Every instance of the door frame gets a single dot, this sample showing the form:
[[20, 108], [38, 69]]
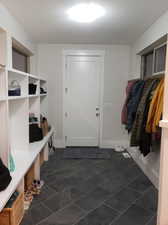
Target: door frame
[[94, 53]]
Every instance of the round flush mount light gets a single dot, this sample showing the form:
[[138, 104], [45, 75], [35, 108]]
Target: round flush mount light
[[86, 12]]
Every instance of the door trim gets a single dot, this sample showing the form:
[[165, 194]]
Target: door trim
[[94, 53]]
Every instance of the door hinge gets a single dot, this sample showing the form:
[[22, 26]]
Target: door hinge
[[66, 90], [66, 114], [66, 65], [66, 139]]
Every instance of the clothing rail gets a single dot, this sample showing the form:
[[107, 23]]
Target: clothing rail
[[137, 79], [159, 76]]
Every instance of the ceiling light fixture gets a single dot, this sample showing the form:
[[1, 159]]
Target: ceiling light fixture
[[86, 12]]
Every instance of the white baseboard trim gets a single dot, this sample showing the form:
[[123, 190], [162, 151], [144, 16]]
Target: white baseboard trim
[[59, 143], [150, 172], [114, 143]]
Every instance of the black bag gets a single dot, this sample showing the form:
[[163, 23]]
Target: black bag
[[5, 177], [32, 89], [35, 133]]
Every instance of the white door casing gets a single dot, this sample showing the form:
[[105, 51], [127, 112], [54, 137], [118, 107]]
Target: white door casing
[[83, 96]]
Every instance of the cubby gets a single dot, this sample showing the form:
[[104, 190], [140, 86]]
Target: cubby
[[18, 124], [35, 81], [22, 80], [34, 106]]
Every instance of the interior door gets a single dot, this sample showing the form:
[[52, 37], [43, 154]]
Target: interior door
[[82, 101]]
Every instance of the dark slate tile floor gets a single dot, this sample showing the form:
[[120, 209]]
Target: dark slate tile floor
[[93, 192]]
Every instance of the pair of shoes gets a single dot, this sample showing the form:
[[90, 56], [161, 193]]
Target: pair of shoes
[[38, 184]]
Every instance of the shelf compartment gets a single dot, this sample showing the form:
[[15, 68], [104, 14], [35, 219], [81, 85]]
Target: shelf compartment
[[18, 124], [34, 107], [36, 82], [3, 84], [22, 81], [44, 106]]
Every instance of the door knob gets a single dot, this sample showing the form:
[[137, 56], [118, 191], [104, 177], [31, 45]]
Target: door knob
[[97, 109], [97, 114]]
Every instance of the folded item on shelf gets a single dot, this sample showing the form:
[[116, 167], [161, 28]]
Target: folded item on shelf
[[5, 177], [42, 91], [14, 88]]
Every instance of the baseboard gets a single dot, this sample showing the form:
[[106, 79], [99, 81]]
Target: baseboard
[[150, 172], [59, 143], [114, 143]]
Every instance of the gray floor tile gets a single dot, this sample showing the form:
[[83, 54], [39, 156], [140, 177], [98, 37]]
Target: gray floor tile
[[62, 199], [141, 184], [149, 200], [134, 216], [123, 200], [153, 221], [92, 200], [67, 216], [100, 216], [115, 184], [36, 214], [46, 192]]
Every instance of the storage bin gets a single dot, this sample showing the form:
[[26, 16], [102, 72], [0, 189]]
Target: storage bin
[[14, 215]]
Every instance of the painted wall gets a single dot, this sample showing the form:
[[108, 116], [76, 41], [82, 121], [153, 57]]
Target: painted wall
[[155, 32], [16, 30], [117, 65], [150, 164]]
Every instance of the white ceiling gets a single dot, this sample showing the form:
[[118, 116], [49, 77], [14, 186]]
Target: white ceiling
[[46, 20]]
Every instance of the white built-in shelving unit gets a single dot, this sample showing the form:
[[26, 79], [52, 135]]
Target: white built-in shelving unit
[[14, 117]]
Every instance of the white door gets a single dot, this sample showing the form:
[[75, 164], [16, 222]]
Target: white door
[[82, 105]]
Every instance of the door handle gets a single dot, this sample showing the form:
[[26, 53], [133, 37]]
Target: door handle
[[97, 108], [97, 114]]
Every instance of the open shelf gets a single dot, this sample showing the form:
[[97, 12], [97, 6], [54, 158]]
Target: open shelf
[[21, 81], [18, 124], [34, 107], [44, 105], [3, 84]]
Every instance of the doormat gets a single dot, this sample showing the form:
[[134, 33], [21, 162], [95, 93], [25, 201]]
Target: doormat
[[87, 153]]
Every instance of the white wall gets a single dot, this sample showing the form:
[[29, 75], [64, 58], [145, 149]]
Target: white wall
[[16, 30], [117, 65], [155, 32], [150, 164]]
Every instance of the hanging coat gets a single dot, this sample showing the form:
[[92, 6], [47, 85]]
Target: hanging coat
[[138, 123], [133, 103], [124, 113], [156, 109]]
